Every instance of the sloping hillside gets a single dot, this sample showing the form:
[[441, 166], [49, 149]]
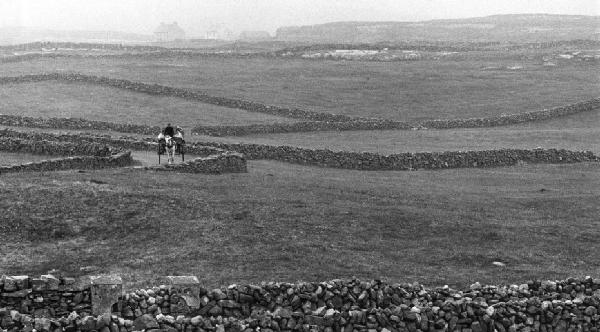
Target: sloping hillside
[[21, 35], [518, 28]]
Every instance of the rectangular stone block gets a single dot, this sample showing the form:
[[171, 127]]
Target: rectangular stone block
[[38, 285], [105, 292], [52, 282], [19, 293], [13, 283], [75, 284], [185, 294]]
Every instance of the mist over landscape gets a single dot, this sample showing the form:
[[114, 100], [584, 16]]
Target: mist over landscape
[[298, 20]]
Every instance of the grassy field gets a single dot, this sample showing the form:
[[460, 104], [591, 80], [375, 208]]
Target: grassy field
[[91, 102], [14, 158], [406, 91], [287, 222], [576, 132]]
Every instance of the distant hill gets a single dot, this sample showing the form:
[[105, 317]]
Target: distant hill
[[515, 28], [22, 35]]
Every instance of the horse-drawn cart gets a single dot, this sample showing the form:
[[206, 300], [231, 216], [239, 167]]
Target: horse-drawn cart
[[171, 146]]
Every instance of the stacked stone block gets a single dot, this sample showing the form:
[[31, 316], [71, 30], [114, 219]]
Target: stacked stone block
[[46, 296], [218, 160], [79, 162], [85, 139], [337, 305], [405, 161], [55, 148]]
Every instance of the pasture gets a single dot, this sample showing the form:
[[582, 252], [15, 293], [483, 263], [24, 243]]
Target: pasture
[[288, 222], [407, 91], [577, 132], [92, 102]]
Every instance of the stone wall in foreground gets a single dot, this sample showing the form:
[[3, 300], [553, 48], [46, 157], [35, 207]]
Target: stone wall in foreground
[[44, 296], [331, 306]]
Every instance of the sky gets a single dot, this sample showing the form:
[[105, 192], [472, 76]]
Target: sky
[[198, 16]]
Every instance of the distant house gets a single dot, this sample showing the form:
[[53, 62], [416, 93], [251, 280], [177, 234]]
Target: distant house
[[212, 34], [169, 32]]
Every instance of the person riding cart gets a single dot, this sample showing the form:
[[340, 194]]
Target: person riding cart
[[169, 131], [170, 142]]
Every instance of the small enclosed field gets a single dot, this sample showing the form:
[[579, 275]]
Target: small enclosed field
[[576, 132], [288, 222], [407, 91], [17, 158], [92, 102]]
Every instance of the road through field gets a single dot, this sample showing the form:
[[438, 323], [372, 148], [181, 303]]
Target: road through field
[[150, 158]]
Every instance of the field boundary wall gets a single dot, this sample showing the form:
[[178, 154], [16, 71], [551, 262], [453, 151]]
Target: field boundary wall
[[54, 148], [122, 142], [121, 159], [93, 152], [161, 90], [98, 303], [345, 159], [406, 161]]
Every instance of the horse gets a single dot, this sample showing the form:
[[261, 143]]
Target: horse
[[170, 146]]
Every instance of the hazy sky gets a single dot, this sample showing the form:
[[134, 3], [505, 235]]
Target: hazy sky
[[196, 16]]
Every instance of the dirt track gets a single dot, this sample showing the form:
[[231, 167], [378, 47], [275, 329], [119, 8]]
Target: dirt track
[[148, 158]]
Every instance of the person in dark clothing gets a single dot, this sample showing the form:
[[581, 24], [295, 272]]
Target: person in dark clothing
[[169, 131]]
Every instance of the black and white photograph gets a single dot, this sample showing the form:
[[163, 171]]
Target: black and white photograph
[[300, 165]]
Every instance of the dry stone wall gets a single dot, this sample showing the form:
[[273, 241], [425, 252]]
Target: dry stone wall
[[84, 154], [337, 305], [406, 161], [54, 148], [161, 90], [304, 126], [37, 46], [76, 124], [78, 162], [329, 158], [123, 142], [214, 160], [504, 120], [46, 296]]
